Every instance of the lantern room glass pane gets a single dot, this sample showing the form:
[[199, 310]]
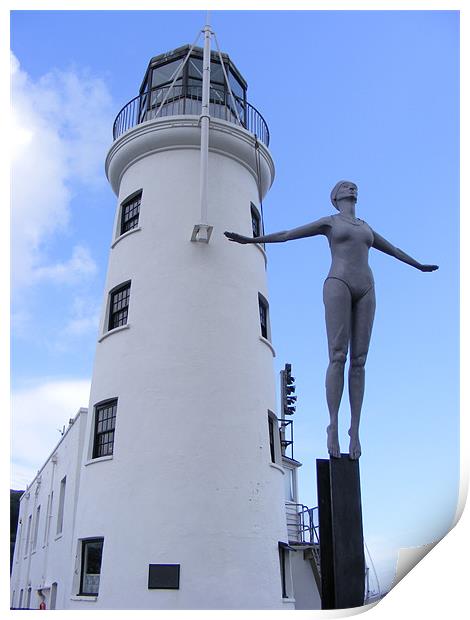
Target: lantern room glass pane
[[166, 73], [195, 68], [217, 74], [236, 87]]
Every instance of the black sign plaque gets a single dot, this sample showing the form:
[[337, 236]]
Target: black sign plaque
[[164, 576]]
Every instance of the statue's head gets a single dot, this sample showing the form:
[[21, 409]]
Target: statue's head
[[343, 189]]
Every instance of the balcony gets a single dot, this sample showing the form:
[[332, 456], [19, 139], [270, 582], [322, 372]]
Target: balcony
[[186, 100]]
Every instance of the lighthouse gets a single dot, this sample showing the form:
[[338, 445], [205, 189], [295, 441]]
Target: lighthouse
[[181, 502], [177, 487]]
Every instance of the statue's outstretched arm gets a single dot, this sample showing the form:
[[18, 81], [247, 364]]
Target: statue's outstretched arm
[[319, 227], [387, 248]]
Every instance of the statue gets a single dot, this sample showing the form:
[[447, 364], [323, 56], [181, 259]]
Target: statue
[[349, 299]]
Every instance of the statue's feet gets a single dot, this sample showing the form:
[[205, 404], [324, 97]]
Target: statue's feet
[[354, 446], [333, 443]]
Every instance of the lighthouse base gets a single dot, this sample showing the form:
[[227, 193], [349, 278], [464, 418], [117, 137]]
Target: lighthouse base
[[341, 536]]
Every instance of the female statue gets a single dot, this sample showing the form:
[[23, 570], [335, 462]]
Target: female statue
[[349, 299]]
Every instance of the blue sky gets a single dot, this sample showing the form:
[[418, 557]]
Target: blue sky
[[368, 96]]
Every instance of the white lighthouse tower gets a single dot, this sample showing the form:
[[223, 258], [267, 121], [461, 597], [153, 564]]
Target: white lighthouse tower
[[181, 502]]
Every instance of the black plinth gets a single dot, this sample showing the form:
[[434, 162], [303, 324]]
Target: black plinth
[[341, 538]]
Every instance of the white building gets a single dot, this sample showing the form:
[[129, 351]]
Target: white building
[[171, 493], [44, 539]]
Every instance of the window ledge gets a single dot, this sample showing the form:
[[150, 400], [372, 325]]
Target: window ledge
[[83, 598], [99, 459], [113, 331], [278, 467], [59, 536], [126, 234], [268, 344], [288, 600]]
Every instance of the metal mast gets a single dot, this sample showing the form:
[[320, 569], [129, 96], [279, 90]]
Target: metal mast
[[202, 231]]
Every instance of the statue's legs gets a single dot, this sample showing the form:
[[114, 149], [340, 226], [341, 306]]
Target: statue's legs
[[337, 300], [361, 328]]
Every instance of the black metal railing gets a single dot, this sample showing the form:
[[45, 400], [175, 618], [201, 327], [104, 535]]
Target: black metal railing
[[302, 524], [308, 524], [182, 100]]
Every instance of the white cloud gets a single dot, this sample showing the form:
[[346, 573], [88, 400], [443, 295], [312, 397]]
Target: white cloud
[[38, 413], [84, 320], [59, 135], [77, 326], [79, 265]]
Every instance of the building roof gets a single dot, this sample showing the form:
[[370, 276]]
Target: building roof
[[71, 423]]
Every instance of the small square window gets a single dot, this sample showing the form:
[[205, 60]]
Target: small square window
[[119, 305], [105, 422], [130, 210], [92, 551]]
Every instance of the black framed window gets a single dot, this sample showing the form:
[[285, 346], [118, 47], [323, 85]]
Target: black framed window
[[255, 221], [92, 551], [105, 423], [271, 438], [130, 210], [285, 566], [283, 562], [119, 305], [263, 316]]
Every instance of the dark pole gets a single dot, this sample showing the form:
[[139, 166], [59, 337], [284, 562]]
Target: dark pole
[[341, 536]]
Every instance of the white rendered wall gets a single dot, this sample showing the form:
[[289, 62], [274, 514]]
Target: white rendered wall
[[49, 562], [306, 591], [190, 481]]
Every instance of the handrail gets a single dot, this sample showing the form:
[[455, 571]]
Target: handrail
[[183, 100], [308, 529]]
